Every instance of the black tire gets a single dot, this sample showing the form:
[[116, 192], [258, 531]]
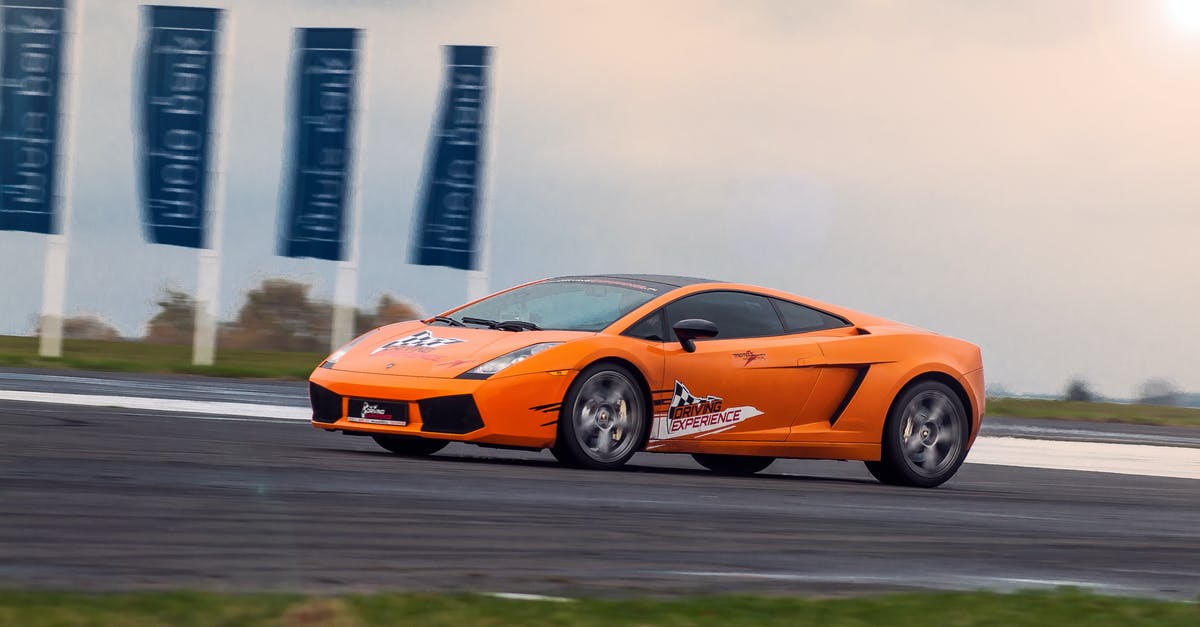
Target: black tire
[[924, 437], [733, 464], [409, 446], [563, 456], [604, 419]]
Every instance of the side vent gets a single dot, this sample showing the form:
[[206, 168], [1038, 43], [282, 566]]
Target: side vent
[[858, 379]]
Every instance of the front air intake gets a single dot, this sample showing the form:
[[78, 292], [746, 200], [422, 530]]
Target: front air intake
[[450, 414], [326, 406]]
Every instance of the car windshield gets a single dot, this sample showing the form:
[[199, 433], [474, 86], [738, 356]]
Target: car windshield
[[589, 304]]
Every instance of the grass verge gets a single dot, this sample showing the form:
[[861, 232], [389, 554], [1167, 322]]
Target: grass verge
[[1060, 608], [1094, 412], [158, 358]]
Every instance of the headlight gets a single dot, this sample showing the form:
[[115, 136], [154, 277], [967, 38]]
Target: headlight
[[500, 363], [341, 352]]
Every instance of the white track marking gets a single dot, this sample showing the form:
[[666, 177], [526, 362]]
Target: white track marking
[[951, 581], [522, 596], [250, 410], [1126, 459]]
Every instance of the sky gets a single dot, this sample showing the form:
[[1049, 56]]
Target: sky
[[1017, 173]]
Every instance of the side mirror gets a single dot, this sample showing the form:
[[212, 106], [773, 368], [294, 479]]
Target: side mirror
[[687, 331]]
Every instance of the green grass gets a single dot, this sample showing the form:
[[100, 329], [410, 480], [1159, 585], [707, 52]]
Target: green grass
[[142, 357], [1059, 608], [1094, 412]]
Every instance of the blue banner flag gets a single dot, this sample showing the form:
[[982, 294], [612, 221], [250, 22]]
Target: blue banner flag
[[326, 61], [447, 227], [29, 88], [179, 68]]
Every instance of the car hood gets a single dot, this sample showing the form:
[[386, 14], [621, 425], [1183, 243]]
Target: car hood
[[417, 349]]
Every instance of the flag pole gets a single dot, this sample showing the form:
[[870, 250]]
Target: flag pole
[[345, 292], [208, 274], [54, 277], [477, 280]]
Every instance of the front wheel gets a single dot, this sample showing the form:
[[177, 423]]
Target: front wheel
[[409, 446], [604, 419], [733, 464], [924, 438]]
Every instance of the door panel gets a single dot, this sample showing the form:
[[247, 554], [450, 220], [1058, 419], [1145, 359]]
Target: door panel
[[749, 389]]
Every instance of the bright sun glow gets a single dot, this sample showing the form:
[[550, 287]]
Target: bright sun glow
[[1185, 14]]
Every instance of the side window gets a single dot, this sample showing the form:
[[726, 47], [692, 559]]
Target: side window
[[648, 328], [736, 314], [801, 319]]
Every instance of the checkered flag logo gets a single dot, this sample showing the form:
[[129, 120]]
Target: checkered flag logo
[[683, 396], [420, 339]]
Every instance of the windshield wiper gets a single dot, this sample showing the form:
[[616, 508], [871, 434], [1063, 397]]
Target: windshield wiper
[[448, 320], [503, 325]]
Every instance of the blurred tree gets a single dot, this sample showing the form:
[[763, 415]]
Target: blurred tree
[[279, 315], [86, 327], [388, 310], [1079, 390], [175, 320], [1158, 391]]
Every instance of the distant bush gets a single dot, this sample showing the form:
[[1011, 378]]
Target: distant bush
[[175, 320], [85, 327], [1079, 390], [387, 311], [277, 315], [1158, 391]]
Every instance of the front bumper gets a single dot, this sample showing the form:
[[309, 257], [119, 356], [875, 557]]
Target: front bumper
[[519, 410]]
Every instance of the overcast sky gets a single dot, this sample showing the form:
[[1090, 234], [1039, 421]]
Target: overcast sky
[[1022, 174]]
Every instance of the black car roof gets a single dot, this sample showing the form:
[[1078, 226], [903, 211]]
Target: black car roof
[[650, 280]]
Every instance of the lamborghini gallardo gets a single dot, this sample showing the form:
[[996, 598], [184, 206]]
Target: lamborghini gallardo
[[599, 368]]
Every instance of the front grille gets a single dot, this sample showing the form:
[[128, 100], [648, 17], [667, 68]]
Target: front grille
[[326, 406], [450, 414]]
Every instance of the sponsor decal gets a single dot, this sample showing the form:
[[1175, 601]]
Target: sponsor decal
[[377, 412], [693, 415], [374, 411], [749, 357], [419, 342]]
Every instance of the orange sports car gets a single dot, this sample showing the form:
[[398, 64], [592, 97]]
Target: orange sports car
[[597, 368]]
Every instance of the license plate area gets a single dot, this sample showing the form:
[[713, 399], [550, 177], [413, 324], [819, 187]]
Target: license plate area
[[377, 412]]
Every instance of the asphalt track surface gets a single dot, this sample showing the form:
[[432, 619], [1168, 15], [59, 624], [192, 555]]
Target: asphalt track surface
[[114, 499]]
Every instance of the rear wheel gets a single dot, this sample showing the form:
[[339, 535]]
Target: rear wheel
[[733, 464], [603, 420], [924, 438], [409, 446]]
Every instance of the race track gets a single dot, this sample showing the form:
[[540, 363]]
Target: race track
[[104, 498]]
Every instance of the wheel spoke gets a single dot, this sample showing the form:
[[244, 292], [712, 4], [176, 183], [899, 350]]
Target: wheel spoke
[[604, 442], [614, 396], [587, 422], [938, 411]]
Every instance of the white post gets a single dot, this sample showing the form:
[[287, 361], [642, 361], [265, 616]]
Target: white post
[[208, 275], [345, 292], [477, 280], [54, 277]]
